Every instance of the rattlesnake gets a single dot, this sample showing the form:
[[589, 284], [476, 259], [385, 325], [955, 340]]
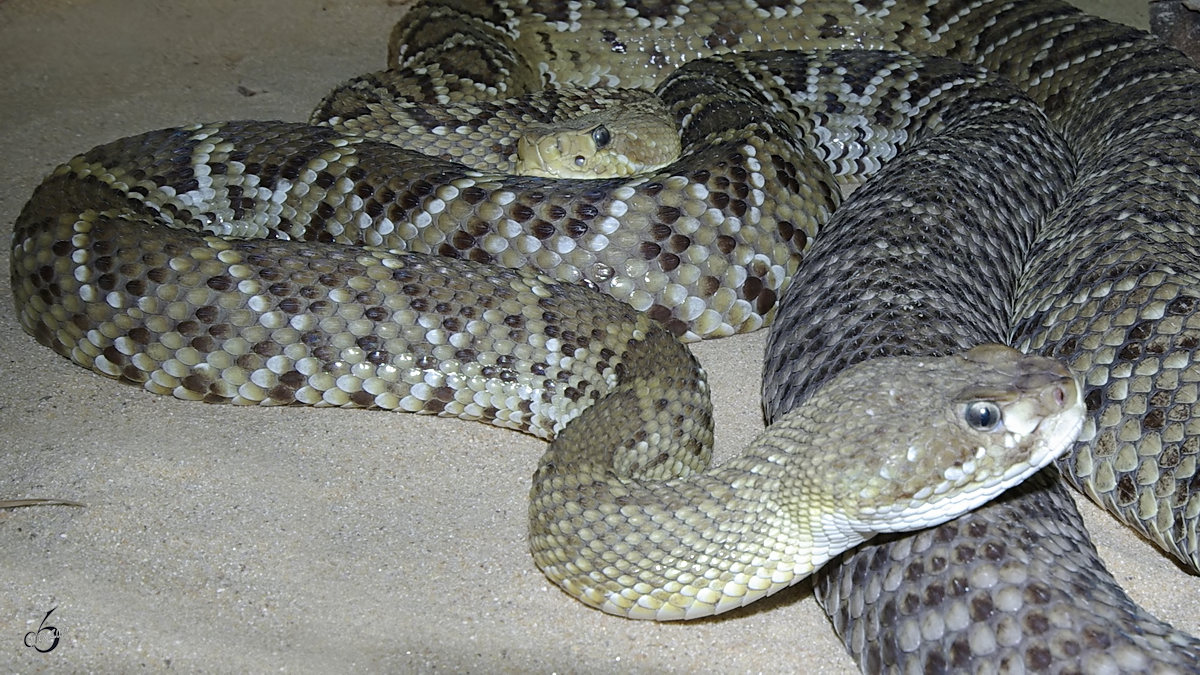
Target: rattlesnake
[[860, 638]]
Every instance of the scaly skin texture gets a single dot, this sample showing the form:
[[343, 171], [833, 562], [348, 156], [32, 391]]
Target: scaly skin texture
[[806, 489], [112, 286], [1111, 287]]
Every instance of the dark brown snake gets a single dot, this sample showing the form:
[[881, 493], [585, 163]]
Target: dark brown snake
[[924, 268]]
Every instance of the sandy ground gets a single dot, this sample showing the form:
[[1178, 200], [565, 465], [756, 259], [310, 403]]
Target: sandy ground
[[245, 540]]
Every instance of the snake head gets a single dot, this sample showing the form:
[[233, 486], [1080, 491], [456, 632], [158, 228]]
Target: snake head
[[628, 138], [941, 436]]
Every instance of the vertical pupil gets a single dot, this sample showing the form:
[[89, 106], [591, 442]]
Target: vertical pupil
[[982, 415]]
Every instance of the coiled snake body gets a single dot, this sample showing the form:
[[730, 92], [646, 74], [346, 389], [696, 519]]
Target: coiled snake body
[[1111, 287]]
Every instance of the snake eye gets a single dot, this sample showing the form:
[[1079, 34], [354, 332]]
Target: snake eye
[[983, 416], [601, 137]]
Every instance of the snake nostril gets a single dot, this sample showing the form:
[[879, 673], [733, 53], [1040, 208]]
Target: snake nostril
[[1060, 396]]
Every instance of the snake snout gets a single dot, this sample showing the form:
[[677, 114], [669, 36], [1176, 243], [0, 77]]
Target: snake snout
[[529, 158], [1050, 406], [1040, 399], [1051, 381]]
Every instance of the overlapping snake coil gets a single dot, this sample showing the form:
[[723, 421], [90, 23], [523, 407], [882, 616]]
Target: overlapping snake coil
[[1078, 243]]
